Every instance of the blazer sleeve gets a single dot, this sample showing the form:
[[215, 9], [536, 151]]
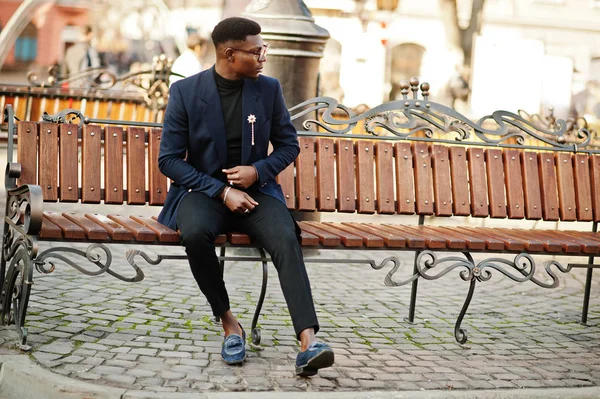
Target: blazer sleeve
[[284, 139], [174, 146]]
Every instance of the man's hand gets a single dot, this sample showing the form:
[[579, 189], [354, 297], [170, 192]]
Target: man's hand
[[241, 176], [239, 202]]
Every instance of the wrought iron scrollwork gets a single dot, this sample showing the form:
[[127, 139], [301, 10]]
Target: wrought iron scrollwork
[[98, 254], [416, 117]]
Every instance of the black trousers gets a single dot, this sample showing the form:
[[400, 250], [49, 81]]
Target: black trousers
[[201, 218]]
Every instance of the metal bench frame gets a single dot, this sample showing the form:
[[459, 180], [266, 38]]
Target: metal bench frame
[[414, 120]]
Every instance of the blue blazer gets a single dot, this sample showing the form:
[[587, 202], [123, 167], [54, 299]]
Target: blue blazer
[[193, 146]]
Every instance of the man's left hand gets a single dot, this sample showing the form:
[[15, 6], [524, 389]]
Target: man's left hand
[[241, 176]]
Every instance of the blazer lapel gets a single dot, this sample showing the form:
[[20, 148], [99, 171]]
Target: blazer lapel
[[250, 107], [214, 115]]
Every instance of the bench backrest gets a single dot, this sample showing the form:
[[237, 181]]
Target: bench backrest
[[116, 165]]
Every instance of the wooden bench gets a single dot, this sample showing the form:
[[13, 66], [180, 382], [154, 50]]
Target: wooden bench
[[426, 160]]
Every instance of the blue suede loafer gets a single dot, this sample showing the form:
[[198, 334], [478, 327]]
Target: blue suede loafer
[[234, 348], [318, 356]]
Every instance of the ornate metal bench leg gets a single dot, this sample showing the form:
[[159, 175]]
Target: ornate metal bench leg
[[586, 294], [222, 265], [261, 299], [413, 292]]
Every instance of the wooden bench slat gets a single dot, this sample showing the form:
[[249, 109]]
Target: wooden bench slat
[[308, 240], [369, 240], [163, 233], [305, 174], [239, 238], [563, 243], [326, 238], [595, 181], [384, 174], [532, 242], [585, 238], [348, 239], [510, 244], [136, 166], [583, 191], [68, 163], [495, 182], [69, 229], [423, 179], [514, 183], [286, 180], [405, 187], [532, 185], [442, 190], [92, 230], [90, 160], [27, 152], [566, 187], [477, 183], [139, 231], [49, 230], [432, 238], [392, 240], [158, 181], [583, 244], [365, 177], [114, 229], [413, 240], [113, 161], [345, 176], [460, 181], [220, 239], [548, 185], [325, 174], [472, 242], [48, 161]]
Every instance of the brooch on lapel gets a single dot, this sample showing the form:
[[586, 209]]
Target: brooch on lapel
[[251, 120]]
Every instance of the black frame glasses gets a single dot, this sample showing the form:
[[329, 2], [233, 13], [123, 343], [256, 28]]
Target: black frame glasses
[[260, 55]]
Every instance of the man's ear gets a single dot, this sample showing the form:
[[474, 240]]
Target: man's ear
[[229, 54]]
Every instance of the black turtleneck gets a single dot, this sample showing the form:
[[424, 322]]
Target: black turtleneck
[[230, 92]]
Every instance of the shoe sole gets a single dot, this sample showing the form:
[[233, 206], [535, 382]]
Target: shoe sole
[[235, 361], [322, 360]]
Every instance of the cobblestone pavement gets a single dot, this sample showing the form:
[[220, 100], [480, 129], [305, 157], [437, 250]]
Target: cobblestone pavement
[[158, 334]]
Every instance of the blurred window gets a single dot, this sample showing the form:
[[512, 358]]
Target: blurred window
[[26, 45]]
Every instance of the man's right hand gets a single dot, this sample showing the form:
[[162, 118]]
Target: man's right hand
[[239, 202]]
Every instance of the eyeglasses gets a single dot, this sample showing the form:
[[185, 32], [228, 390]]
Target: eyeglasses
[[261, 55]]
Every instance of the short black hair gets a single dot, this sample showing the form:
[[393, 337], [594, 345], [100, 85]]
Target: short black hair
[[234, 29]]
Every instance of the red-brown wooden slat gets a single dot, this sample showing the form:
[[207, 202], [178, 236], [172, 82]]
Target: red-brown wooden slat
[[405, 186], [514, 183], [460, 181], [27, 149], [136, 166], [588, 240], [583, 188], [348, 239], [69, 229], [384, 175], [325, 238], [477, 183], [532, 242], [239, 238], [92, 230], [163, 233], [220, 239], [391, 240], [49, 230], [114, 229], [510, 243], [69, 168], [308, 240], [564, 243], [442, 190], [595, 176], [365, 181], [305, 174], [325, 174], [572, 244], [286, 180], [412, 240], [432, 238], [495, 182], [369, 240], [113, 169], [566, 186], [139, 231], [345, 176], [548, 185], [48, 161], [531, 181], [90, 160], [423, 179], [472, 242], [157, 181]]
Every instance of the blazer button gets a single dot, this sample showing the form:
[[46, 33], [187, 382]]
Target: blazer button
[[264, 184], [189, 190]]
